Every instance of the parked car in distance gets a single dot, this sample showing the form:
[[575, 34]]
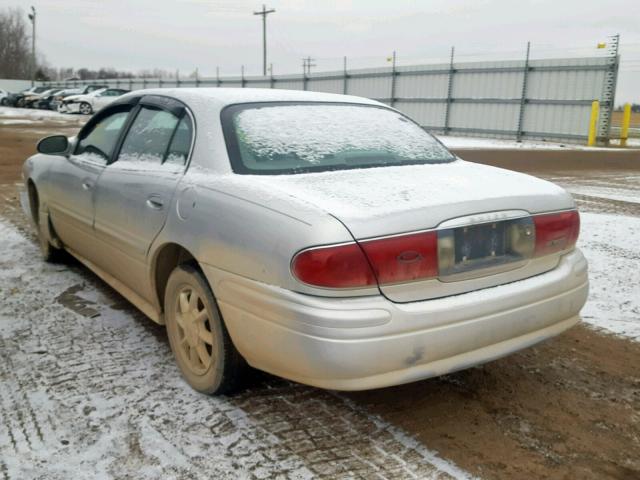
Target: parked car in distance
[[57, 101], [327, 239], [90, 102], [61, 95], [18, 99], [32, 101], [46, 100], [4, 97]]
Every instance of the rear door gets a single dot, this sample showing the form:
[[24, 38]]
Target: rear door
[[134, 192]]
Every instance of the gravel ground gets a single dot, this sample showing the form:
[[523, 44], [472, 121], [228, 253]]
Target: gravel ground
[[89, 389]]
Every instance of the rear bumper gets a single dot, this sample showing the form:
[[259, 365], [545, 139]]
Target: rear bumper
[[370, 342]]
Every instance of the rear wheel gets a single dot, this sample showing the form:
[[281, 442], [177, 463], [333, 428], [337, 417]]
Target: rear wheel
[[85, 108], [3, 102], [199, 339]]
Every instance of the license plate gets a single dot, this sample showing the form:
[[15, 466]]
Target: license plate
[[474, 248]]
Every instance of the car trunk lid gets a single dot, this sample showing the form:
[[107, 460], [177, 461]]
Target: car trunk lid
[[475, 209]]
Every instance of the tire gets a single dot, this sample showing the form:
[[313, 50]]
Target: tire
[[3, 102], [49, 253], [85, 108], [203, 349], [20, 103]]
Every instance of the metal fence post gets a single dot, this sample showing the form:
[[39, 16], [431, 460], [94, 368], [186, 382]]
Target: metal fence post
[[447, 112], [624, 127], [523, 97], [393, 80], [218, 83], [242, 76], [304, 74], [345, 80], [130, 83], [609, 90], [593, 123], [272, 80]]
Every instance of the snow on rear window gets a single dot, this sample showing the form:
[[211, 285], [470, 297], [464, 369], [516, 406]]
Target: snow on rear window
[[301, 137]]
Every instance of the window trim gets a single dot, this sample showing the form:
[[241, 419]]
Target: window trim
[[238, 166], [91, 124], [168, 104]]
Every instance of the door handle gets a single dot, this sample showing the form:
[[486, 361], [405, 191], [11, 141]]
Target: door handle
[[155, 202], [87, 185]]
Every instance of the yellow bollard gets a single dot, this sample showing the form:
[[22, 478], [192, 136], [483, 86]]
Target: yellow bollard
[[593, 123], [624, 128]]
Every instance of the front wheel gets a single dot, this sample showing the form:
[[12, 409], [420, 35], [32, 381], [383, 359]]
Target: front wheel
[[199, 339], [3, 102], [85, 108], [49, 252]]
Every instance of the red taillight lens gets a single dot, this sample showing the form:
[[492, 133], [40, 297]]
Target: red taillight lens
[[403, 258], [556, 232], [340, 266]]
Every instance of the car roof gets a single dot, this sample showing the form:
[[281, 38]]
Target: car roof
[[221, 97]]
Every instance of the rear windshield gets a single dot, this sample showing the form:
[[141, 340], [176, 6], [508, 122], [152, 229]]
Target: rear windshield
[[282, 138]]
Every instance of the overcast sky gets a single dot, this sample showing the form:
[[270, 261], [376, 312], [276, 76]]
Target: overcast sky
[[185, 34]]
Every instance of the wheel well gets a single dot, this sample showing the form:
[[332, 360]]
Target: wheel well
[[34, 203], [168, 258]]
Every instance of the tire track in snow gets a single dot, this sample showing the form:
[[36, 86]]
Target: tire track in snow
[[117, 406]]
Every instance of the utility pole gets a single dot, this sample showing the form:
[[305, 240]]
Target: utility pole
[[306, 65], [264, 12], [32, 17]]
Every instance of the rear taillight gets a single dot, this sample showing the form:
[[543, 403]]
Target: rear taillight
[[339, 266], [424, 255], [403, 258], [556, 232]]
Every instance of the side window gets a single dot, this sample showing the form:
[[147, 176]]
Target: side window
[[149, 136], [101, 140], [181, 143]]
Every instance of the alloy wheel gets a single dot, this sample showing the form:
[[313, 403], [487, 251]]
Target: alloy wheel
[[196, 339]]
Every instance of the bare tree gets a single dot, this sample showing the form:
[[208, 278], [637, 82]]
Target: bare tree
[[15, 55]]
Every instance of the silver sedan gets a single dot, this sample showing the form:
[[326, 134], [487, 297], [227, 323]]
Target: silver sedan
[[323, 238]]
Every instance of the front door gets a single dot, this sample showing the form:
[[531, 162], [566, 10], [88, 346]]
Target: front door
[[134, 193], [73, 180]]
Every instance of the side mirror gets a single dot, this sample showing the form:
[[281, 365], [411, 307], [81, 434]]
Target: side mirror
[[54, 145]]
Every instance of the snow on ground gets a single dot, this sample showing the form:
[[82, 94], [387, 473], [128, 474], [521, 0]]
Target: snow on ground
[[33, 114], [630, 194], [89, 389], [496, 143], [611, 244]]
